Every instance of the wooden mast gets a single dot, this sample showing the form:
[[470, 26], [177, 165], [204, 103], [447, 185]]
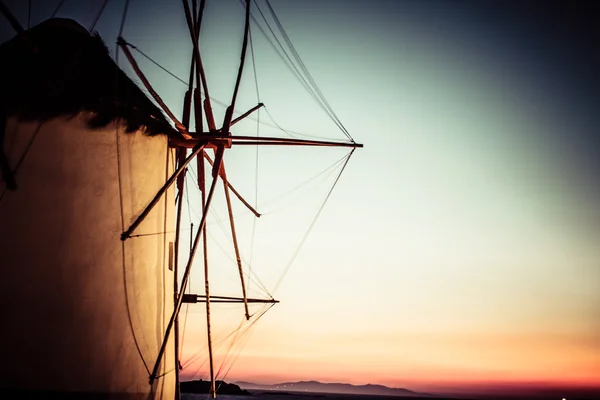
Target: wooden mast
[[180, 185]]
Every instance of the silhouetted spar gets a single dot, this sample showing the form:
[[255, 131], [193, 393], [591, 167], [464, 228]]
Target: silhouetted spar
[[199, 298]]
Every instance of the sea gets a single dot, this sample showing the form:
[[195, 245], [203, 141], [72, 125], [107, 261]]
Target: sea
[[280, 395]]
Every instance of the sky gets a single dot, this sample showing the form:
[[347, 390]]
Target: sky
[[459, 249]]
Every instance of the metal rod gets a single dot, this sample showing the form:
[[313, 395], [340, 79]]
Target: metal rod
[[127, 234], [236, 248], [240, 300], [229, 111], [209, 138], [244, 115], [11, 18], [214, 299], [186, 276], [291, 143]]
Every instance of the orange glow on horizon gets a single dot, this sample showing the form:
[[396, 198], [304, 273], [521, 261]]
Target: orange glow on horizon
[[269, 370], [424, 362]]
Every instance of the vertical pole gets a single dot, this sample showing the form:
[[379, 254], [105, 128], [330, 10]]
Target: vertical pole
[[181, 154], [202, 185]]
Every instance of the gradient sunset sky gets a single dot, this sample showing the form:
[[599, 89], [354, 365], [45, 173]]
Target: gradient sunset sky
[[461, 246]]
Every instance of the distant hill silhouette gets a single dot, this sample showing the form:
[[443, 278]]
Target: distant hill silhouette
[[320, 387], [203, 387]]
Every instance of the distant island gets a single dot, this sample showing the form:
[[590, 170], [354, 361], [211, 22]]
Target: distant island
[[341, 388], [203, 387]]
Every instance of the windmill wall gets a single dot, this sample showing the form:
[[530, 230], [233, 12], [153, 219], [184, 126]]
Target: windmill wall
[[82, 311]]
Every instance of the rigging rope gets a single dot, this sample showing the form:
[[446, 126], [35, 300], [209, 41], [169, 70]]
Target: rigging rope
[[122, 208], [21, 159], [302, 184], [290, 133], [275, 124], [243, 339], [253, 278], [303, 75], [233, 341], [155, 63], [312, 224], [224, 230], [156, 233], [123, 18], [60, 4], [29, 144], [250, 275], [314, 85], [217, 345], [244, 327], [287, 60], [98, 16]]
